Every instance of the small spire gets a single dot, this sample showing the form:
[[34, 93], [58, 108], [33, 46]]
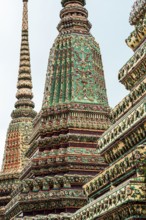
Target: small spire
[[24, 104]]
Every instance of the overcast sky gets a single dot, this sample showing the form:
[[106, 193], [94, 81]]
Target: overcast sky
[[110, 28]]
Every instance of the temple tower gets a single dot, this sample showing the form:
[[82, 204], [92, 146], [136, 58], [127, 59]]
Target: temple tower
[[119, 192], [74, 114], [20, 127]]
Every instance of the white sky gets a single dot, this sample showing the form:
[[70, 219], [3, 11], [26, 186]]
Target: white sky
[[110, 28]]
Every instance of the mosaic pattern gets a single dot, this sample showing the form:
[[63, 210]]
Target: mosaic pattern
[[134, 68], [138, 19], [74, 77], [138, 11]]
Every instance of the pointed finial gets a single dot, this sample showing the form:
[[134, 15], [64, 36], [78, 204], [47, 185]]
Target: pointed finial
[[25, 16]]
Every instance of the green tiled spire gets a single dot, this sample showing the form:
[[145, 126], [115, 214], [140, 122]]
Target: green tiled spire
[[75, 70]]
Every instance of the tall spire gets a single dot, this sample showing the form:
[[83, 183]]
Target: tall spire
[[20, 127], [21, 124], [24, 104]]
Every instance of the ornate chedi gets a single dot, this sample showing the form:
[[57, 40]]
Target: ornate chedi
[[74, 114], [20, 127], [119, 192]]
